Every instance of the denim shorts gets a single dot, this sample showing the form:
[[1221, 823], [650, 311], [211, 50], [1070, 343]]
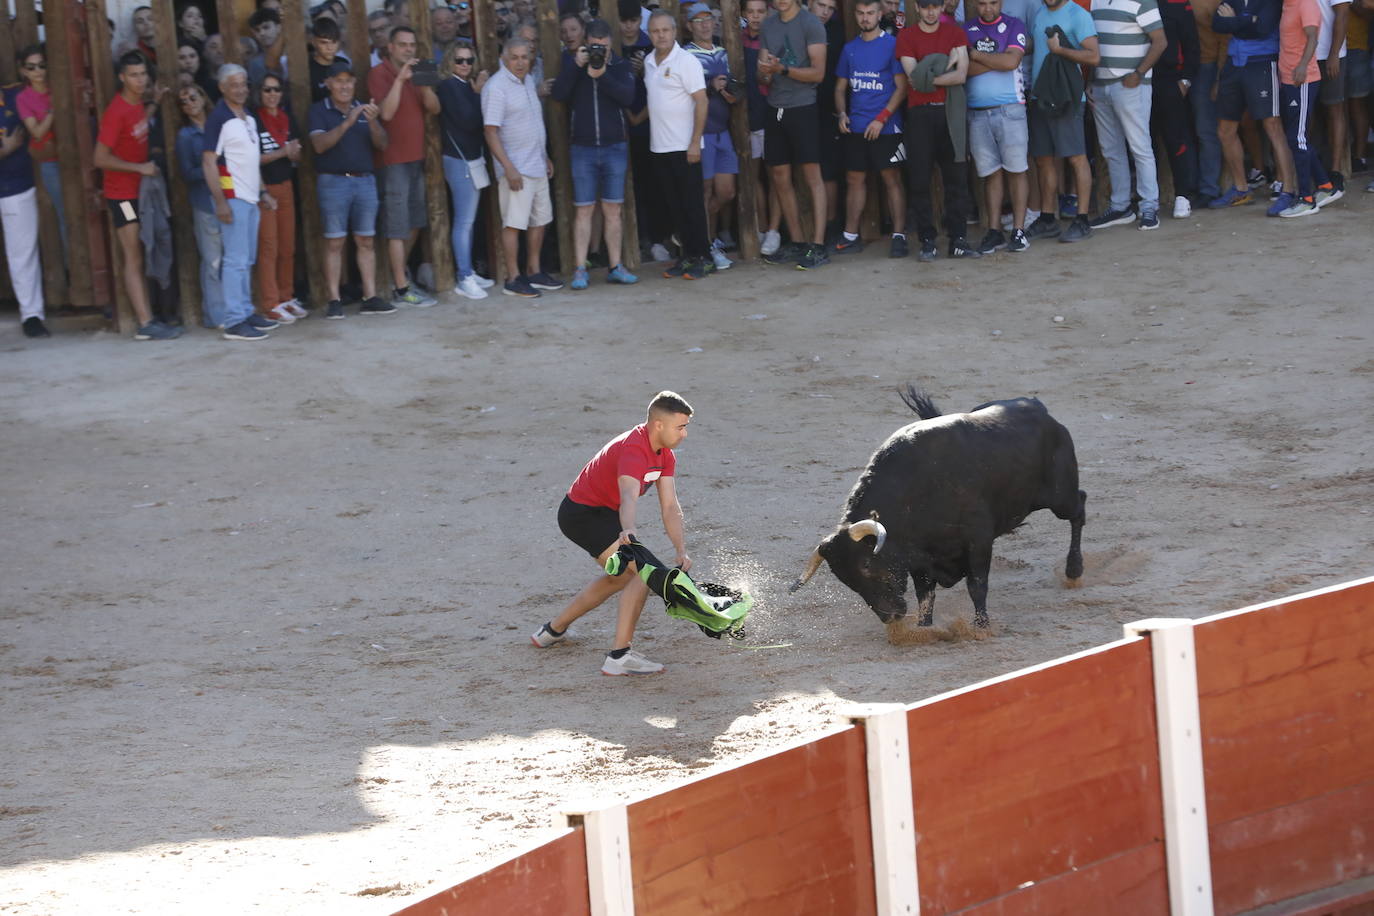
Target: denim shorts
[[1358, 81], [347, 204], [718, 156], [997, 138], [598, 173]]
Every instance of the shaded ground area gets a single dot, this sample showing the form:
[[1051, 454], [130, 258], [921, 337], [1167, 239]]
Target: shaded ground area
[[264, 616]]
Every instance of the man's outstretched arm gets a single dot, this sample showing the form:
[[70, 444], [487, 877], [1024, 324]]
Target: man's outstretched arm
[[672, 520]]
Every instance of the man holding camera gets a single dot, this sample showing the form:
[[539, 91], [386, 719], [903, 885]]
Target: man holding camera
[[719, 164], [597, 86], [401, 178]]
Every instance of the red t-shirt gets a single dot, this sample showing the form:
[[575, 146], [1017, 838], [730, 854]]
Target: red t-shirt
[[405, 132], [124, 129], [36, 105], [627, 455], [912, 42]]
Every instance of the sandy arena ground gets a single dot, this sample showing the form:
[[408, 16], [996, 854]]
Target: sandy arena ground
[[265, 609]]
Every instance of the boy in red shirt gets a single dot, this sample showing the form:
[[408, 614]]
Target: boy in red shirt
[[598, 515], [121, 151], [1299, 80]]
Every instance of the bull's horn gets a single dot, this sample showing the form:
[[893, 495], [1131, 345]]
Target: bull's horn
[[811, 566], [862, 529]]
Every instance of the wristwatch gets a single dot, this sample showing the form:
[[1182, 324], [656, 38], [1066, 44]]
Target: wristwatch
[[1186, 84], [786, 70]]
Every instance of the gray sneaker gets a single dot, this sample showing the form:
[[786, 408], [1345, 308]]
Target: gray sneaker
[[414, 298], [545, 637], [1078, 230], [156, 330], [630, 663]]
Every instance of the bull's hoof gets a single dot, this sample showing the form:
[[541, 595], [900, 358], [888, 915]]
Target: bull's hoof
[[1073, 569], [926, 621], [791, 589], [981, 621]]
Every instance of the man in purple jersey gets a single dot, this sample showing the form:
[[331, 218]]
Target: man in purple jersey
[[997, 133]]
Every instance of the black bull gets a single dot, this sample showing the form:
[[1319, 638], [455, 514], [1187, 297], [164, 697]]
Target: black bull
[[939, 491]]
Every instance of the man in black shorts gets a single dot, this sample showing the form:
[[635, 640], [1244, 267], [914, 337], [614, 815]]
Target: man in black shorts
[[869, 89], [792, 64], [598, 515]]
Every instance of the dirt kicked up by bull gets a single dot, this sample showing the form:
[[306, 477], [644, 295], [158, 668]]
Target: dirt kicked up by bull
[[939, 491]]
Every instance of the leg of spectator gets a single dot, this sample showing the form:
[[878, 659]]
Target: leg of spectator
[[582, 233], [919, 157], [367, 264], [210, 244], [992, 197], [708, 197], [695, 243], [1083, 182], [1132, 107], [820, 206], [1283, 157], [1112, 139], [510, 249], [333, 265], [286, 239], [534, 242], [958, 202], [1254, 149], [896, 199], [781, 176], [1233, 155], [1172, 115], [269, 297], [724, 194], [612, 231], [1047, 172], [465, 199], [1293, 106], [856, 199], [52, 183], [19, 214], [240, 252], [134, 283], [1020, 192], [1204, 110]]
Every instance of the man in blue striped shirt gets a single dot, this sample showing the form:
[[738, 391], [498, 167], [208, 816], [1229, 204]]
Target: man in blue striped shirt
[[1130, 36]]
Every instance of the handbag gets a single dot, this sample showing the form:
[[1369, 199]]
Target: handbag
[[477, 171]]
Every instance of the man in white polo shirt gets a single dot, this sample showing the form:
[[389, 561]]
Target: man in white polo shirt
[[677, 118], [514, 125]]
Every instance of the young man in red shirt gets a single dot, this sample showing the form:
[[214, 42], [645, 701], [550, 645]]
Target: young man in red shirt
[[121, 150], [598, 515]]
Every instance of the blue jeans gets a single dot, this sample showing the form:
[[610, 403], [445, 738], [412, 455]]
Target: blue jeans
[[465, 198], [52, 183], [1205, 126], [210, 244], [240, 253], [598, 173], [1123, 129]]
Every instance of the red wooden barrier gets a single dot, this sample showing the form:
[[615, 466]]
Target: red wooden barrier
[[1286, 694], [787, 834], [1039, 792], [549, 880]]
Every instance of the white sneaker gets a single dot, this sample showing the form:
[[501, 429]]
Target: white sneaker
[[1008, 224], [772, 241], [543, 637], [659, 253], [470, 288], [630, 663], [295, 308], [722, 262], [483, 281], [1182, 209], [282, 315]]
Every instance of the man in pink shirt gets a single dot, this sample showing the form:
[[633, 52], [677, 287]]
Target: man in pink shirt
[[1299, 81], [598, 515]]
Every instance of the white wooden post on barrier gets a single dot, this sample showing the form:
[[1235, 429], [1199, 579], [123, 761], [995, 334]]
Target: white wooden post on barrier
[[609, 881], [890, 807], [1180, 763]]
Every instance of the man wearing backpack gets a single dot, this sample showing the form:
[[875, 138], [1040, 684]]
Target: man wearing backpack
[[1063, 34]]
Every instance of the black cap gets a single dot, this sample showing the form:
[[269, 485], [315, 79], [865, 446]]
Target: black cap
[[337, 67]]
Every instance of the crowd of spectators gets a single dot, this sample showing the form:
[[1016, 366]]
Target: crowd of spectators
[[1250, 99]]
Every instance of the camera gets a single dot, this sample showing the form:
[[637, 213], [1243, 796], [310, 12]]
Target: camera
[[596, 56], [424, 72], [734, 87]]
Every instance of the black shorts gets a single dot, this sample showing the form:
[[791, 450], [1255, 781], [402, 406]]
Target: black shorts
[[593, 528], [884, 152], [123, 211], [791, 136], [1253, 88]]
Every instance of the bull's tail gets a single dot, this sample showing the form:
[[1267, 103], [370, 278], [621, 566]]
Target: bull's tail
[[919, 402]]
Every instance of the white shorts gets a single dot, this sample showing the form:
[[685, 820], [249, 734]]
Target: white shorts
[[529, 206], [756, 144]]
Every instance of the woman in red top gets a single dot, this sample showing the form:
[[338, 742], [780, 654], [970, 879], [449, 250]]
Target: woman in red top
[[281, 150], [35, 107]]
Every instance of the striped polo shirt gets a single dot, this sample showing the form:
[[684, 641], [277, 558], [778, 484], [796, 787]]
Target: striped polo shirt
[[1123, 36]]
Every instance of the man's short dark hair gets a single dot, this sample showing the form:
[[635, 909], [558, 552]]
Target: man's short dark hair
[[398, 30], [263, 15], [139, 9], [393, 5], [132, 59], [598, 28], [629, 9], [868, 2], [25, 53], [325, 28], [669, 402]]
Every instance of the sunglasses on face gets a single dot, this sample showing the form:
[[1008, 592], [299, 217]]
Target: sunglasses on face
[[464, 60], [271, 89], [35, 66]]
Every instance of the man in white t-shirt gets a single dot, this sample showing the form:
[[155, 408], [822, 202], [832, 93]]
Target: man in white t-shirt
[[677, 118], [1330, 56]]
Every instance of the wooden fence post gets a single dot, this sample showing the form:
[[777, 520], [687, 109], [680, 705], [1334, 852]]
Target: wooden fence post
[[67, 101], [229, 31], [310, 240], [629, 217], [890, 808], [1179, 723], [25, 24], [436, 188], [489, 59], [556, 125], [610, 883], [184, 242], [9, 71], [746, 210]]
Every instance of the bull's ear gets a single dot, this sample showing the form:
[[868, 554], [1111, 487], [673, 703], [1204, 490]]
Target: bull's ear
[[823, 548]]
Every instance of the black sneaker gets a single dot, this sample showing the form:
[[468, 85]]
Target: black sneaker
[[959, 248], [678, 269], [1044, 227], [1018, 242], [1114, 218], [1255, 178], [993, 242], [33, 327], [846, 246], [376, 306], [334, 309], [786, 254], [898, 248], [1337, 180], [1149, 221], [812, 257], [244, 330], [1359, 165], [519, 286], [261, 322], [696, 269], [543, 280], [928, 250], [1078, 230]]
